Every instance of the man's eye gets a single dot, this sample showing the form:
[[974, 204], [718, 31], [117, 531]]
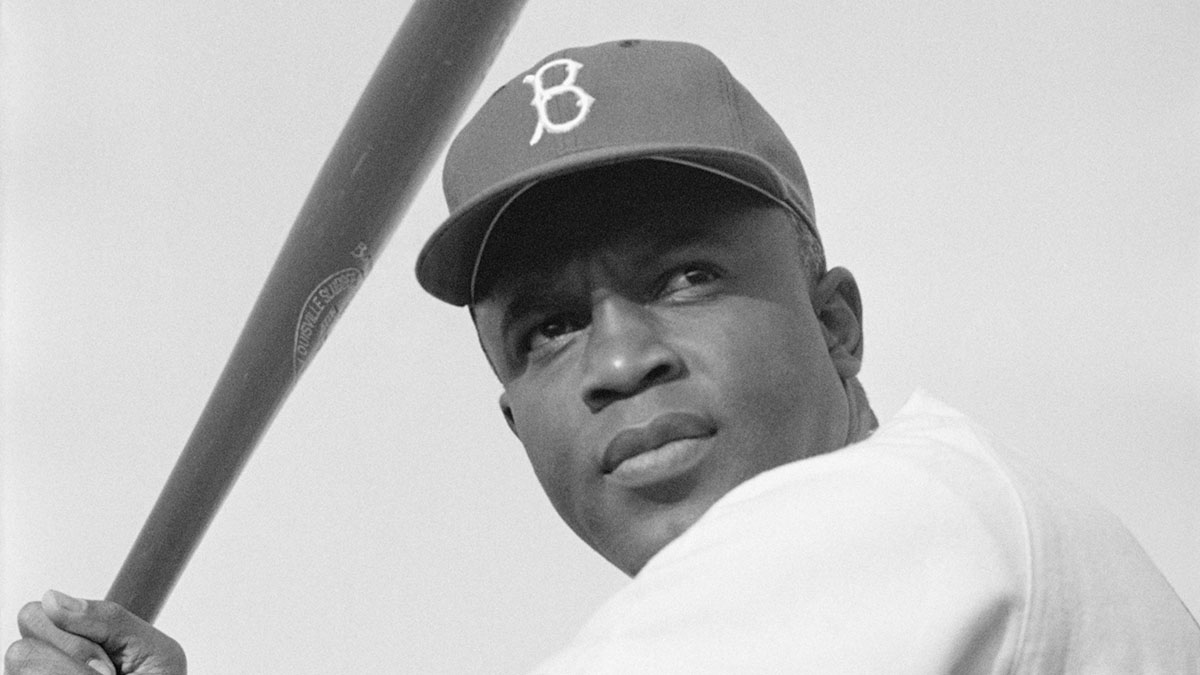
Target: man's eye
[[687, 278], [550, 329]]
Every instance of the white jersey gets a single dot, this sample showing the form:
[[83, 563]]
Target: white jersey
[[926, 548]]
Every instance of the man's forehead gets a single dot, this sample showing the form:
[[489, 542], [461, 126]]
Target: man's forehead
[[635, 244], [647, 207]]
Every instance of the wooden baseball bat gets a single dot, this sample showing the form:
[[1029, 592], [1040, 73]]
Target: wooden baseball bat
[[410, 106]]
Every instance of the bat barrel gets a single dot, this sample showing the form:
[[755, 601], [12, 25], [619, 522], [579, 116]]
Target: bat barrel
[[405, 116]]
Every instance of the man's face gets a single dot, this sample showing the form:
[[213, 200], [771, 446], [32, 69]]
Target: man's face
[[657, 346]]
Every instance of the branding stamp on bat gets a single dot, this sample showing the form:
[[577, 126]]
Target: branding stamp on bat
[[322, 308]]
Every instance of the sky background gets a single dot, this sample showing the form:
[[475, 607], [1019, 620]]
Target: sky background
[[1014, 184]]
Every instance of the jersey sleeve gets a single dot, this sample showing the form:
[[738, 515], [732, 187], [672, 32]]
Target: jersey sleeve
[[896, 560]]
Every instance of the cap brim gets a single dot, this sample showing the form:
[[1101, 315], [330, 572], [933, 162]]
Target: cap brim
[[446, 264]]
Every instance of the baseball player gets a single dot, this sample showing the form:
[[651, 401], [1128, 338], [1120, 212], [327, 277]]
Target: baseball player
[[635, 240]]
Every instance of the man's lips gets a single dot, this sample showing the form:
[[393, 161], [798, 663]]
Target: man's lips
[[652, 448]]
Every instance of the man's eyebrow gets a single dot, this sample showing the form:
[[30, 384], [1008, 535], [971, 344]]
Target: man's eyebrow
[[683, 241]]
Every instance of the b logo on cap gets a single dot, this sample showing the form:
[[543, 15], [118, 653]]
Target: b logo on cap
[[543, 94]]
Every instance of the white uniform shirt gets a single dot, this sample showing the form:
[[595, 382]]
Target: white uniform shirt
[[923, 549]]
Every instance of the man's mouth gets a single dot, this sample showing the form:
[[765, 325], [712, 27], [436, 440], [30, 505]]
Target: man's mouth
[[663, 448]]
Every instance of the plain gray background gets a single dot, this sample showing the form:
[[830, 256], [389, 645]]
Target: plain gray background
[[1014, 185]]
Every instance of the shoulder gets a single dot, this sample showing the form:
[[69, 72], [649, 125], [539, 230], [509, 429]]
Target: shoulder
[[894, 555]]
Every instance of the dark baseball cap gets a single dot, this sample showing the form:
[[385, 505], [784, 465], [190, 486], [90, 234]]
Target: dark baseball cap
[[596, 106]]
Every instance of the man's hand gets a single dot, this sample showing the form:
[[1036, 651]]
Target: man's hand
[[66, 636]]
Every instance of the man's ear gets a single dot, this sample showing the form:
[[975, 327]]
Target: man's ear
[[839, 309], [506, 409]]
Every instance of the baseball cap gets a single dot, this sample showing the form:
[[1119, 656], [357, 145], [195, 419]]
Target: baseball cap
[[594, 106]]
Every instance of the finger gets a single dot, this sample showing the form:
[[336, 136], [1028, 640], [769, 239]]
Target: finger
[[33, 621], [31, 656], [96, 620]]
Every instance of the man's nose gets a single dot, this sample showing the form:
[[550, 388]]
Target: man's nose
[[626, 353]]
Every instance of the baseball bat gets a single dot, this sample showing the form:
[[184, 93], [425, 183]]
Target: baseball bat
[[411, 104]]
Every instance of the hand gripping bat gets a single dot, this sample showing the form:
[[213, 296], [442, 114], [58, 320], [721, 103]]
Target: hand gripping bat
[[411, 104]]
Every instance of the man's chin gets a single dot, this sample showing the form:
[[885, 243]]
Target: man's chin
[[669, 492], [660, 519]]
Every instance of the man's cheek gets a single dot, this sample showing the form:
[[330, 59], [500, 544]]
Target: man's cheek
[[551, 464], [566, 495]]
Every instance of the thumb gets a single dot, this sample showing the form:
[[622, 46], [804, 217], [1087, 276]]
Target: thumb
[[106, 623]]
